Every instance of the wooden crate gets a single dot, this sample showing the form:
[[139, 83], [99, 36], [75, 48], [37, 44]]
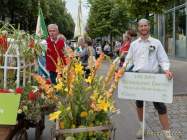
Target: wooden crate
[[5, 132]]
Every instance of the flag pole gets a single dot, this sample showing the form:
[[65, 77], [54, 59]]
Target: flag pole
[[38, 4]]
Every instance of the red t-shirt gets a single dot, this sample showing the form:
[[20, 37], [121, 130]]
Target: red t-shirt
[[125, 47], [54, 50]]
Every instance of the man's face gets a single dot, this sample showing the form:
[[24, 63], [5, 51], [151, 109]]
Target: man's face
[[53, 33], [143, 28]]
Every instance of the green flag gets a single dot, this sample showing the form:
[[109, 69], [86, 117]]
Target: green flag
[[41, 30]]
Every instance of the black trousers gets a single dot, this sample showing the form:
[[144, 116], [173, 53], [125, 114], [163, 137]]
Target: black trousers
[[160, 107]]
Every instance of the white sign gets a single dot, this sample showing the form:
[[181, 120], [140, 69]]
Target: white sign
[[146, 87]]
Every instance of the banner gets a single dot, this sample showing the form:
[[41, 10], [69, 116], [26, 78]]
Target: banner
[[41, 30], [146, 87]]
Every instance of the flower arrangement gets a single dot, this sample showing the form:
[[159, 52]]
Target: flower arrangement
[[32, 103], [83, 102]]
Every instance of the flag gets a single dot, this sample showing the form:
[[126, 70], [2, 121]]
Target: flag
[[79, 23], [41, 30], [41, 33]]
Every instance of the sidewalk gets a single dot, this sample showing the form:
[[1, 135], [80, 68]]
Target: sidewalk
[[127, 123], [179, 68], [177, 112]]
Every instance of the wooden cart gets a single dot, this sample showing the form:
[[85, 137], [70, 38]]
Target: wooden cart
[[57, 133], [19, 131]]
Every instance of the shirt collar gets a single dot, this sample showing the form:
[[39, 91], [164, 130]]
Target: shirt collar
[[147, 40]]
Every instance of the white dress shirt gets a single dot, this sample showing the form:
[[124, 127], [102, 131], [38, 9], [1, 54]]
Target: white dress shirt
[[147, 55]]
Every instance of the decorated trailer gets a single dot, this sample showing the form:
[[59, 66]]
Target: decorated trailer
[[18, 52]]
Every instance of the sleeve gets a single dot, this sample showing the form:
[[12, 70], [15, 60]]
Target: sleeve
[[129, 57], [163, 58]]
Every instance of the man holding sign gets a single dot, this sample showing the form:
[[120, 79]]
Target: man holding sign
[[147, 55]]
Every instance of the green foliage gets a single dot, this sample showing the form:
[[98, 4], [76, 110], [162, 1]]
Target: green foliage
[[24, 13], [139, 8], [107, 17], [99, 23]]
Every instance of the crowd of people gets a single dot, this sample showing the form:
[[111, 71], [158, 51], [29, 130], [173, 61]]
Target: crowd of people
[[134, 49]]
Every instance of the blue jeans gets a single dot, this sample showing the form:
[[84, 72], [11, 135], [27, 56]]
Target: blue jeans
[[53, 76]]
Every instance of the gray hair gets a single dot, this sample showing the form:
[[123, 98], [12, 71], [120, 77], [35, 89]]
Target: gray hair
[[80, 38], [55, 26], [143, 20]]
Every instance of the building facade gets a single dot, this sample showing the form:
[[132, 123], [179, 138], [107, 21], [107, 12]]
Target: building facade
[[170, 28]]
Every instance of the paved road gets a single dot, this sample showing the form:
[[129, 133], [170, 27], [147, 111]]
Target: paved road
[[126, 122]]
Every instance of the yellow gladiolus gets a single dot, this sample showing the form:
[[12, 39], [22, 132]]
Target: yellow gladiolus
[[55, 115], [79, 69], [61, 124], [59, 86], [94, 96], [103, 105], [89, 80], [83, 114]]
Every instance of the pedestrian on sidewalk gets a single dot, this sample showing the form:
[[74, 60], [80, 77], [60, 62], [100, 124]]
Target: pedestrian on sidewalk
[[147, 55], [87, 55], [128, 37]]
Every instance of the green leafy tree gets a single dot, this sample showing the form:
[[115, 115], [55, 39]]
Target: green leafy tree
[[139, 8], [119, 17], [99, 22], [107, 17], [25, 12]]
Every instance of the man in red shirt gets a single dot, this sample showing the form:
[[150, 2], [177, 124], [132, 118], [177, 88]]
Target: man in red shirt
[[55, 46]]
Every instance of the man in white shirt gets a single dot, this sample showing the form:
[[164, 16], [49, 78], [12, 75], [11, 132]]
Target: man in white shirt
[[148, 55]]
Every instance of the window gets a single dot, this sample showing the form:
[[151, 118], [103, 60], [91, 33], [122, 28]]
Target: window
[[180, 33], [179, 2], [169, 33]]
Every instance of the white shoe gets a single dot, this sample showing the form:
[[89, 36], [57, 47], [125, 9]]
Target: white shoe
[[139, 133], [167, 135]]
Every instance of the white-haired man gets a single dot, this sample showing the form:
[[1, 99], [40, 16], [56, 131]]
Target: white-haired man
[[55, 46], [148, 55]]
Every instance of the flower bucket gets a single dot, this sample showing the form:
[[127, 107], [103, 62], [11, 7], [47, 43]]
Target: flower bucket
[[61, 134]]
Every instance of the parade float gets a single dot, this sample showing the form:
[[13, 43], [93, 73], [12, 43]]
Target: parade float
[[84, 105], [18, 51], [17, 55]]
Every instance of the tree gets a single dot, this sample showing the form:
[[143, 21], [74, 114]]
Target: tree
[[142, 8], [58, 14], [99, 22], [107, 17], [24, 13], [119, 17]]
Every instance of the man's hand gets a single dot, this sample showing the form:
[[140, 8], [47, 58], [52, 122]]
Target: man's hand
[[168, 74]]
